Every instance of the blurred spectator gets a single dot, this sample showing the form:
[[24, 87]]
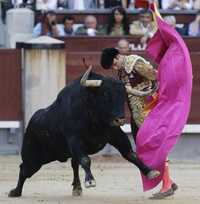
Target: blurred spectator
[[19, 3], [46, 4], [196, 4], [90, 27], [159, 3], [177, 4], [181, 29], [141, 4], [123, 47], [101, 4], [48, 26], [194, 26], [144, 26], [114, 3], [29, 4], [138, 4], [118, 24], [5, 5], [131, 5], [78, 4], [16, 3], [62, 4], [66, 29]]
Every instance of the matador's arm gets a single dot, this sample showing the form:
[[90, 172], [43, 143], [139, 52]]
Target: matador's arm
[[145, 69]]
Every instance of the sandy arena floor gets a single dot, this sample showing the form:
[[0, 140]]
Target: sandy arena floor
[[118, 182]]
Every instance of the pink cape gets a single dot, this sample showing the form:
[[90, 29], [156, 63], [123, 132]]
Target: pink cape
[[164, 124]]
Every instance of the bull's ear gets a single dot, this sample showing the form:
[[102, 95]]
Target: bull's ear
[[89, 83]]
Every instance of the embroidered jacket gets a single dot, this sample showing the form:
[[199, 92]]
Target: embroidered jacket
[[139, 74]]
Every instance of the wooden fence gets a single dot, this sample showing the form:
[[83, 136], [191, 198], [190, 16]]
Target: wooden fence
[[76, 49], [10, 85]]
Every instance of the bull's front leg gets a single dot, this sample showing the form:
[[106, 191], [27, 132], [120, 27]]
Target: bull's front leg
[[85, 162], [79, 154], [77, 190], [121, 142]]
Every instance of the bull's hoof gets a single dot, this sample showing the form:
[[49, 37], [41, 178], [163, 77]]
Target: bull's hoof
[[77, 191], [14, 193], [90, 183]]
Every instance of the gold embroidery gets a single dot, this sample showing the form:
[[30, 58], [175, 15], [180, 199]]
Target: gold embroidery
[[137, 104], [145, 70], [131, 60]]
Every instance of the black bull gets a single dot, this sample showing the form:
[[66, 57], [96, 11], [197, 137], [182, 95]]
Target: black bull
[[81, 121]]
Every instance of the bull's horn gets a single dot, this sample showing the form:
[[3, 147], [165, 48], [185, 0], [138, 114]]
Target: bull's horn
[[136, 92], [86, 74], [89, 83]]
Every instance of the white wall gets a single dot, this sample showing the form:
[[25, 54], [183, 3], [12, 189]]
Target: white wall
[[2, 29]]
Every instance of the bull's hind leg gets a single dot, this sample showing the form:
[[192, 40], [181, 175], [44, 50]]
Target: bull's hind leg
[[17, 192], [24, 173], [77, 190], [79, 154]]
